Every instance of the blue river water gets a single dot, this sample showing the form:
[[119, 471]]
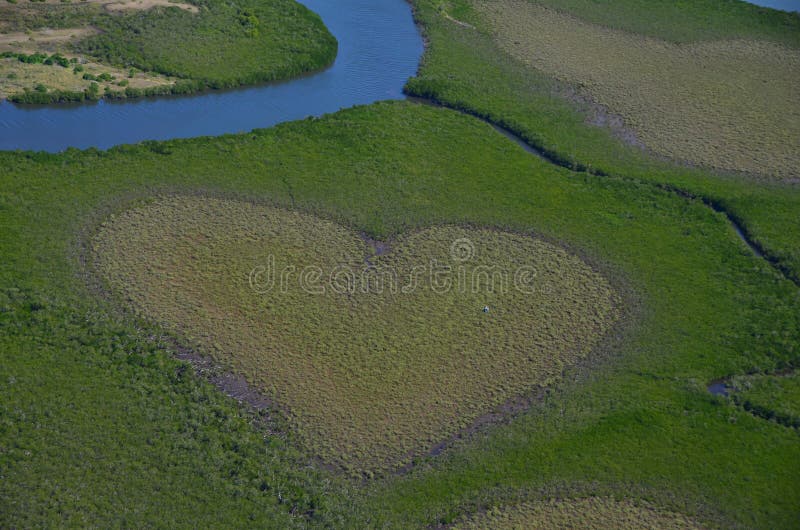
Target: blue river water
[[379, 49], [785, 5]]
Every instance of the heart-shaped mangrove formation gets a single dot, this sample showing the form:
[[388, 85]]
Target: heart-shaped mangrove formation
[[376, 352]]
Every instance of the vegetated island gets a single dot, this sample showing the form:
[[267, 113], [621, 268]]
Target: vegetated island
[[61, 51]]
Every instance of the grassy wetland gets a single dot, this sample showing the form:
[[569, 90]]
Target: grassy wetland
[[724, 104], [583, 402], [465, 68]]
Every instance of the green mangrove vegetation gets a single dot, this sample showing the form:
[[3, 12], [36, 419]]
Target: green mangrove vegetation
[[772, 396], [465, 68], [90, 391], [153, 373]]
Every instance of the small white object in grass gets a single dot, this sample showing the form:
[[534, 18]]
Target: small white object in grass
[[486, 309]]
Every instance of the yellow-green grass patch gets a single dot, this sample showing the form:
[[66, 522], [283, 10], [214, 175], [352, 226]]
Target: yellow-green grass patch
[[111, 5], [369, 373], [590, 513], [16, 76], [730, 105], [134, 5], [45, 39]]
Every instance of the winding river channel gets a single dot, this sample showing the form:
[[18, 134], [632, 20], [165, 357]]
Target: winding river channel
[[379, 49]]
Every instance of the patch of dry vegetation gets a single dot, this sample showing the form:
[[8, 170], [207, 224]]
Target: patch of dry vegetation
[[369, 375], [593, 513], [134, 5], [16, 77], [41, 40], [731, 105], [112, 5], [211, 45]]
